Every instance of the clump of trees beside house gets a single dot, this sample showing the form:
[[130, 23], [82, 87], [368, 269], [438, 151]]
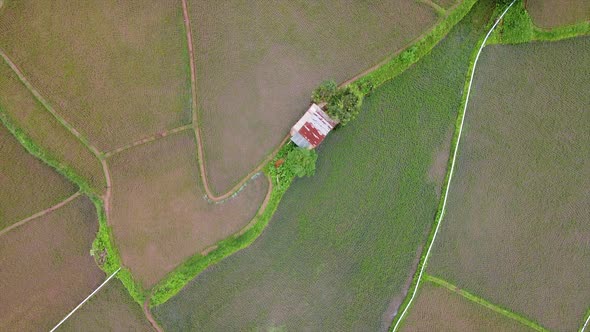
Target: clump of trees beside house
[[342, 104]]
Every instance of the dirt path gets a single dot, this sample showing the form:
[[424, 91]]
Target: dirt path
[[148, 315], [438, 222], [145, 140], [40, 214]]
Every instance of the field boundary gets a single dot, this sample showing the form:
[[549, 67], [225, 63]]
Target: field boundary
[[481, 301], [146, 140], [40, 213], [454, 149], [84, 301], [378, 74]]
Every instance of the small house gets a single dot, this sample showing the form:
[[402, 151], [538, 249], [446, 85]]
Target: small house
[[312, 128]]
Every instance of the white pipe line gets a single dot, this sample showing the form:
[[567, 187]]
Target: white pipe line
[[86, 299], [451, 171], [585, 324]]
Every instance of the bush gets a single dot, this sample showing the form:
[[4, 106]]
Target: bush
[[300, 162], [324, 92], [345, 104]]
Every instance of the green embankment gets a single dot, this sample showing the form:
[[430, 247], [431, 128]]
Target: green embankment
[[517, 27], [343, 244], [178, 278]]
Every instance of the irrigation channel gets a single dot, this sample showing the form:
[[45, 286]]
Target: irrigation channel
[[442, 212]]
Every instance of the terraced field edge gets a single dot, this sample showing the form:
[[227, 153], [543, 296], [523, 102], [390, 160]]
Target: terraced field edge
[[103, 248], [179, 277], [474, 298]]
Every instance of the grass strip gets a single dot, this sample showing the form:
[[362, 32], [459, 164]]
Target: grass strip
[[510, 314], [517, 27], [396, 64], [103, 245], [179, 277]]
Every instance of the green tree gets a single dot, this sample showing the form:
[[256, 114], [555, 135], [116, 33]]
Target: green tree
[[345, 104], [324, 91], [301, 162]]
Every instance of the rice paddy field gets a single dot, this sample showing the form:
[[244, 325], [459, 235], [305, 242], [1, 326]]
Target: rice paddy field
[[160, 216], [516, 228], [438, 309], [27, 185], [341, 249], [116, 71], [258, 61], [112, 309], [30, 116], [554, 13], [46, 268]]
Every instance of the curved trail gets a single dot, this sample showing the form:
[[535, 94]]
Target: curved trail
[[439, 221], [148, 314], [40, 214]]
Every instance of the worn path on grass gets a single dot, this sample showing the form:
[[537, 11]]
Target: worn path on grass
[[453, 161]]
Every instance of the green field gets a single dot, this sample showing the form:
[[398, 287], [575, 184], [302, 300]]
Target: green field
[[257, 64], [27, 186], [516, 228], [438, 309], [112, 309], [341, 249]]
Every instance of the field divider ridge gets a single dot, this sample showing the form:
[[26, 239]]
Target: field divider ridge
[[146, 140], [481, 301], [438, 221], [40, 213], [84, 301]]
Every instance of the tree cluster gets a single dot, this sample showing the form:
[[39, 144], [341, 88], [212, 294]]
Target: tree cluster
[[342, 104]]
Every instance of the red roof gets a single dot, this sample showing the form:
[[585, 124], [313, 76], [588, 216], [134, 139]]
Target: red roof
[[311, 134]]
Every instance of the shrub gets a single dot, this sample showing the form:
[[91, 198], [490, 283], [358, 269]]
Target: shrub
[[345, 104], [324, 91], [300, 162]]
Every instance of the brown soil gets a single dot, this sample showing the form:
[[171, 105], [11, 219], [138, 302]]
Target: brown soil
[[27, 184], [47, 261], [159, 214], [554, 13]]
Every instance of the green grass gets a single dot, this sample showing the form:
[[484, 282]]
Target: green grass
[[343, 244], [517, 27]]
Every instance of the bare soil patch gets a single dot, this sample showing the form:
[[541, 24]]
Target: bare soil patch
[[554, 13], [516, 229], [437, 309], [257, 64], [27, 185], [46, 268], [117, 71], [160, 216]]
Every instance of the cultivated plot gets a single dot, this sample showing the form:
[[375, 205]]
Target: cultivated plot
[[554, 13], [160, 216], [117, 71], [111, 309], [256, 64], [438, 309], [27, 186], [25, 112], [46, 268], [340, 250], [516, 228]]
